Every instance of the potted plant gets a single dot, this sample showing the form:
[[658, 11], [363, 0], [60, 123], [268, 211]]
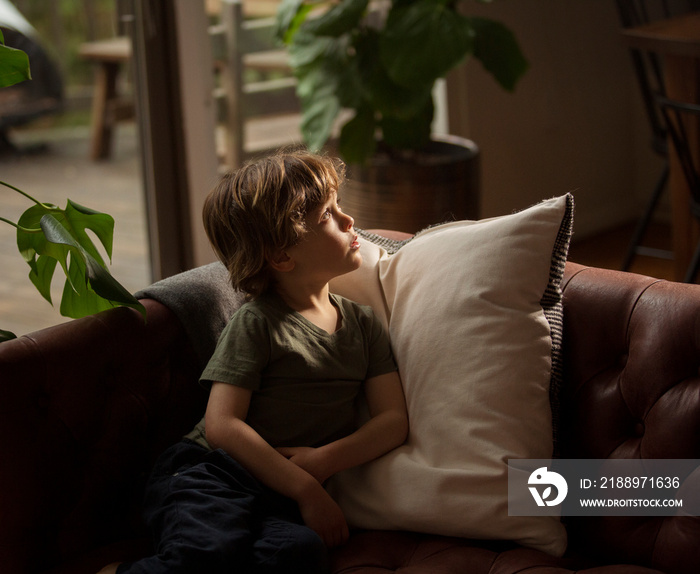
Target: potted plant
[[48, 235], [381, 59]]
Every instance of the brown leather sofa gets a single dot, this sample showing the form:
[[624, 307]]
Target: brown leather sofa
[[86, 406]]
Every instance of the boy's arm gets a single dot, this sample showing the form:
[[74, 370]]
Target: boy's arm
[[226, 428], [386, 429]]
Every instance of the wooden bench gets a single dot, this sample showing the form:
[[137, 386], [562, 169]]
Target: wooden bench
[[108, 107]]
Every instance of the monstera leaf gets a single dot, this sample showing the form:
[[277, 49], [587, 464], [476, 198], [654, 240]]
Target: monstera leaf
[[14, 65], [47, 236]]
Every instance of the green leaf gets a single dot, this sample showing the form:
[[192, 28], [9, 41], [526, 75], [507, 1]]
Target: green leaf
[[60, 236], [320, 66], [380, 90], [307, 51], [42, 274], [357, 137], [421, 42], [47, 235], [291, 14], [412, 133], [78, 300], [34, 244], [14, 66], [6, 335], [497, 49], [78, 219], [87, 277], [287, 11], [319, 111], [350, 88], [339, 19]]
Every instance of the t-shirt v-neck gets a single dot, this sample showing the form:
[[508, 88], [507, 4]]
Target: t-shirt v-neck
[[310, 325]]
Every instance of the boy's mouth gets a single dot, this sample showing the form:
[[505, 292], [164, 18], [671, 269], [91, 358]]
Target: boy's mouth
[[355, 243]]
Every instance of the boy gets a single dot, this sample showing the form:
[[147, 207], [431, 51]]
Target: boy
[[244, 490]]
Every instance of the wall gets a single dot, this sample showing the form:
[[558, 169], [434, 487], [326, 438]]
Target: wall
[[574, 123]]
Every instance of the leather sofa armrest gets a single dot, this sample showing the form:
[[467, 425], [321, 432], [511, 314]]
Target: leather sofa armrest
[[85, 406], [631, 357]]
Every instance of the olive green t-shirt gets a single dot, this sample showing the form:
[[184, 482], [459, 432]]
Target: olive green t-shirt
[[305, 381]]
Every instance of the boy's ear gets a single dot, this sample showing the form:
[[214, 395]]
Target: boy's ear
[[280, 261]]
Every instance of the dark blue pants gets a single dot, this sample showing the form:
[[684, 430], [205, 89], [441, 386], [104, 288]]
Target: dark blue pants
[[209, 515]]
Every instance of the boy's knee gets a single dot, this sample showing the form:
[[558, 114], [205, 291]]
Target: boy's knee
[[293, 549], [312, 552]]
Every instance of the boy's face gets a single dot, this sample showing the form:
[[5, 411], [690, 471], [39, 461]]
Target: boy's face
[[330, 247]]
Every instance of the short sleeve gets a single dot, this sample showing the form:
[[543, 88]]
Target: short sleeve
[[242, 352], [381, 357]]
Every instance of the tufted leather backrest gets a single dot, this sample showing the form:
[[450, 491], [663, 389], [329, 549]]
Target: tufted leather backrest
[[632, 359]]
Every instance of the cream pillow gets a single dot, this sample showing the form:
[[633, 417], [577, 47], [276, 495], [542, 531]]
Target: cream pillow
[[464, 306]]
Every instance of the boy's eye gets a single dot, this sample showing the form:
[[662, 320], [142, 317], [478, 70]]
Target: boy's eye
[[326, 214]]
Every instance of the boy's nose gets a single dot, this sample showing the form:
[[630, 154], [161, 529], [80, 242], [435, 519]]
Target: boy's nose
[[351, 222]]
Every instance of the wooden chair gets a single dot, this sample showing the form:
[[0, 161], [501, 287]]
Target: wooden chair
[[239, 45], [683, 124], [648, 70]]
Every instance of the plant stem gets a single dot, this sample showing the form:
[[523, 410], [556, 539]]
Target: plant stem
[[25, 195], [13, 224]]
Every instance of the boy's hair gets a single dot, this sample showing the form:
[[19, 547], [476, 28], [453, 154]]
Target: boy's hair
[[260, 209]]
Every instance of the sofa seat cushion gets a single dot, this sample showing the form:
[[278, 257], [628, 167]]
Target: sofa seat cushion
[[380, 552]]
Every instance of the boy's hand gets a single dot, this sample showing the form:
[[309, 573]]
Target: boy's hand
[[308, 458], [323, 515]]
